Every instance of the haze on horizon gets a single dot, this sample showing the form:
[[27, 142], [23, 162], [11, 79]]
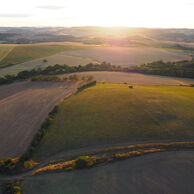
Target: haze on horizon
[[128, 13]]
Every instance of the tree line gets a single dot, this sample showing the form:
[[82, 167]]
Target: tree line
[[183, 69], [178, 69]]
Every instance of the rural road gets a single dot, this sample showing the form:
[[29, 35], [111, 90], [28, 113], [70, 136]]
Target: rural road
[[68, 155], [23, 108]]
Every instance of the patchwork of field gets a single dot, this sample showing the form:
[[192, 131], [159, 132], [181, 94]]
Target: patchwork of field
[[23, 108], [113, 113], [168, 172], [129, 56], [31, 56], [133, 78], [24, 53], [60, 59]]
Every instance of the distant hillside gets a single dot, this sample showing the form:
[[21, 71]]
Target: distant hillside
[[60, 34]]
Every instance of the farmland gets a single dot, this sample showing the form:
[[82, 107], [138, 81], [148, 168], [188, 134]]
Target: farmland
[[4, 51], [98, 116], [60, 59], [23, 108], [133, 78], [157, 173], [31, 56], [128, 56], [20, 54]]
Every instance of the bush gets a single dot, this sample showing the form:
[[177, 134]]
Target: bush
[[82, 162], [11, 187], [87, 85], [29, 164], [7, 165]]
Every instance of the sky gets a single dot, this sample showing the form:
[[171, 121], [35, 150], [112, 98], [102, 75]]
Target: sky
[[129, 13]]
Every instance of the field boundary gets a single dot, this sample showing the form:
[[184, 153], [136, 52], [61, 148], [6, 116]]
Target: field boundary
[[16, 165]]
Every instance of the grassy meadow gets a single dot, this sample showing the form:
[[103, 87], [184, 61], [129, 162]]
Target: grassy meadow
[[113, 113]]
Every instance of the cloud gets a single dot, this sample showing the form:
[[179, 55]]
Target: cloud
[[190, 3], [51, 7], [15, 15]]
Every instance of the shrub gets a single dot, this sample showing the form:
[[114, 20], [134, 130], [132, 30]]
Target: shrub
[[29, 164], [47, 78], [82, 162], [87, 85], [7, 165], [11, 187]]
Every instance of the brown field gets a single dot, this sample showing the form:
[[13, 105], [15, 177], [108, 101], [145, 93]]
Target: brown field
[[134, 78], [167, 172], [128, 56], [23, 107]]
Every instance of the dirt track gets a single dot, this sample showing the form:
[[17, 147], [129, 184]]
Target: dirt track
[[23, 107], [168, 172]]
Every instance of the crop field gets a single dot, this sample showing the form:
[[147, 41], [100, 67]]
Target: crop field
[[113, 113], [31, 56], [4, 51], [21, 54], [23, 108], [60, 59], [129, 56], [133, 78], [156, 173]]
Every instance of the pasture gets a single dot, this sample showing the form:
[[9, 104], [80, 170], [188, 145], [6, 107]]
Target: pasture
[[113, 113], [155, 173], [23, 108]]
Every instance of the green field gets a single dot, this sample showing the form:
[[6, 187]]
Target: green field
[[111, 113], [4, 51], [22, 53]]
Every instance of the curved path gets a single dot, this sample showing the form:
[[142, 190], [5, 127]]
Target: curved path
[[159, 173], [68, 155]]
